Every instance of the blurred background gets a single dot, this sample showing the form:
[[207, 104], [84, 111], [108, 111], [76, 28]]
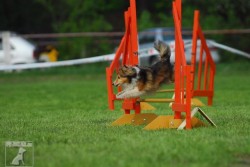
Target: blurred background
[[64, 110], [92, 28]]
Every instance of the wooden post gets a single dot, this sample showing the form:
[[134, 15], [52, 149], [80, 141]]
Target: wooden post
[[6, 46]]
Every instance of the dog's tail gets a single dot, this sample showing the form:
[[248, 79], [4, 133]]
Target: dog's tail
[[163, 49]]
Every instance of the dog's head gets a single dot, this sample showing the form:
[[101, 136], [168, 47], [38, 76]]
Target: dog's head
[[124, 75], [21, 150]]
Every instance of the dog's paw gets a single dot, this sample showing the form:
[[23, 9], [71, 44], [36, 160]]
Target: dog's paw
[[119, 95]]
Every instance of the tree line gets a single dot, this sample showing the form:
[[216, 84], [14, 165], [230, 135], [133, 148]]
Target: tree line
[[47, 16]]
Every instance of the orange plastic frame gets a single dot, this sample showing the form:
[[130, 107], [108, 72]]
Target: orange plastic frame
[[185, 74], [128, 51], [186, 84]]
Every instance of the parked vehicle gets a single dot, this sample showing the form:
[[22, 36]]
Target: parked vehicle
[[22, 51], [45, 53], [147, 38]]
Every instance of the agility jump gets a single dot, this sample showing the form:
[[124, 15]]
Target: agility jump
[[186, 85]]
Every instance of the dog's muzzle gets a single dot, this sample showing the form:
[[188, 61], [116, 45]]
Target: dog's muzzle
[[115, 84]]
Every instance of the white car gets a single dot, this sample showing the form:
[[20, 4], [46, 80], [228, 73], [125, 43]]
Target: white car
[[21, 51], [147, 38]]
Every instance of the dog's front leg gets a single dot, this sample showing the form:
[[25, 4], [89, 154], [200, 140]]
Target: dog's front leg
[[133, 93], [126, 88], [119, 94]]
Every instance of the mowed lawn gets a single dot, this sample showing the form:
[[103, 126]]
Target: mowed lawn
[[64, 112]]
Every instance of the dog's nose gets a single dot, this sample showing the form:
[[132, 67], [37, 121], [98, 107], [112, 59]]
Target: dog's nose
[[114, 84]]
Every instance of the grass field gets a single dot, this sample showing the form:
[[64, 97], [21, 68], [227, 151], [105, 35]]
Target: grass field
[[64, 112]]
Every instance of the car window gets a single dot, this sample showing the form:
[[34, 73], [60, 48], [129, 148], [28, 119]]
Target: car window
[[187, 33], [12, 47], [1, 44], [146, 37], [168, 35]]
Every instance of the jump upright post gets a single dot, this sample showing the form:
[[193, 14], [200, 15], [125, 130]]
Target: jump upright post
[[185, 74], [128, 51], [187, 83], [205, 71]]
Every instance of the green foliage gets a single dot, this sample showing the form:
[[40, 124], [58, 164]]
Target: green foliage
[[40, 16], [145, 21], [24, 17], [79, 16]]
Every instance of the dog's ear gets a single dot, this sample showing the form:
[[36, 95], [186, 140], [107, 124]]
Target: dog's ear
[[131, 72], [127, 71], [123, 70]]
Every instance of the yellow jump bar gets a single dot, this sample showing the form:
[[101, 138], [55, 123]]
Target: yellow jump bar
[[157, 100]]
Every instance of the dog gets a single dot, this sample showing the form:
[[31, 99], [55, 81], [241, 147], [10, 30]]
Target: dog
[[138, 81], [19, 157]]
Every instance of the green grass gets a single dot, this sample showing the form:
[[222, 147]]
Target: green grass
[[64, 112]]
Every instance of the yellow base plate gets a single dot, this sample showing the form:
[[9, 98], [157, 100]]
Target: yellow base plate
[[168, 121], [135, 119], [196, 102], [146, 106]]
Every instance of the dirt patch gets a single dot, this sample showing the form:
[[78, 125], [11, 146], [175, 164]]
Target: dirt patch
[[242, 161]]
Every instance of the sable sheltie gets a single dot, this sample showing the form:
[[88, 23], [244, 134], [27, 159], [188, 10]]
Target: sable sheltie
[[137, 81]]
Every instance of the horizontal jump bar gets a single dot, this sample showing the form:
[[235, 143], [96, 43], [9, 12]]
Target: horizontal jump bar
[[157, 100], [165, 90]]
